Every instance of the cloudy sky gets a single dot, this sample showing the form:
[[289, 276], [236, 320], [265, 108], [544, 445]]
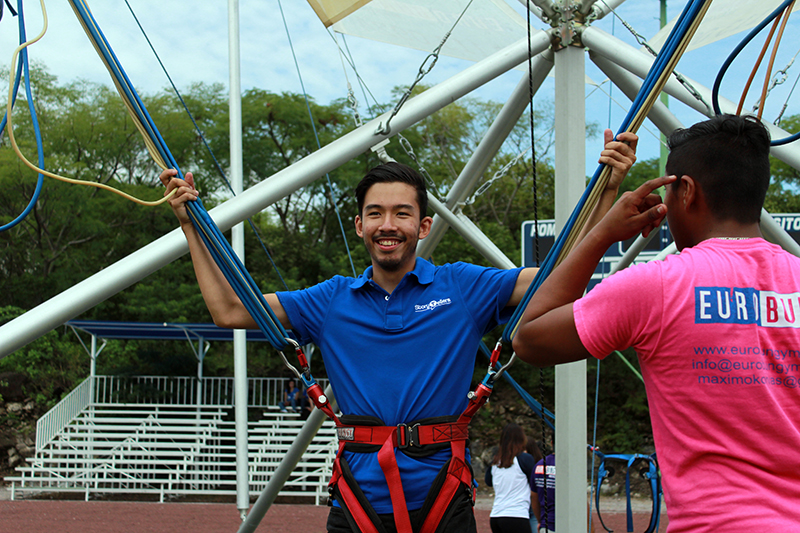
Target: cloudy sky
[[191, 38]]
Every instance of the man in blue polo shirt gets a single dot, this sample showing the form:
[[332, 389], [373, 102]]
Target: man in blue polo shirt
[[399, 342]]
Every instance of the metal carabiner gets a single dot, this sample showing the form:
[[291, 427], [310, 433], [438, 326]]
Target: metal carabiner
[[305, 375], [493, 374], [506, 366]]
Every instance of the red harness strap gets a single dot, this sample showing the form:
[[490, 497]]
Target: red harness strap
[[404, 436], [459, 471]]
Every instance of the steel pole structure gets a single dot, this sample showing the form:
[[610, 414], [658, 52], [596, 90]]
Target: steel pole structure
[[639, 63], [145, 261], [286, 466], [601, 9], [659, 115], [488, 147], [632, 252], [237, 238], [570, 181], [471, 233]]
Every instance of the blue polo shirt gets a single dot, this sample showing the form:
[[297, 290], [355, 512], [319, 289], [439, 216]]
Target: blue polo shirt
[[404, 356]]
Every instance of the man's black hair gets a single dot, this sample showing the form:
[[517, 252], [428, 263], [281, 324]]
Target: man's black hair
[[392, 173], [728, 156]]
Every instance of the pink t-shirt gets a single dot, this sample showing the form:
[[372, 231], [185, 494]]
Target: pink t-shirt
[[717, 332]]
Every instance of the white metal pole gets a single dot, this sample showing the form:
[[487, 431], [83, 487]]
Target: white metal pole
[[660, 115], [471, 233], [601, 9], [93, 373], [570, 177], [92, 397], [201, 355], [237, 234]]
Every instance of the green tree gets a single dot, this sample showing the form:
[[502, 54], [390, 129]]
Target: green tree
[[54, 363]]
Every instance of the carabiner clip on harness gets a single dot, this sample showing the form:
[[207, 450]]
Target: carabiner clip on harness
[[314, 391], [406, 437]]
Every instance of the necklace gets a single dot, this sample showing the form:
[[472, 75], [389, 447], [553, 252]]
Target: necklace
[[733, 238]]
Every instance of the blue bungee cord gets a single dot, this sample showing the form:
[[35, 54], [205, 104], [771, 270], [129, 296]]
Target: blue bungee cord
[[219, 248], [23, 65], [736, 51]]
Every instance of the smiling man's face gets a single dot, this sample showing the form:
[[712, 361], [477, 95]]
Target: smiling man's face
[[390, 225]]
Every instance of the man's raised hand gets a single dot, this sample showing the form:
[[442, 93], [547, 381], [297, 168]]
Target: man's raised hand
[[639, 211], [185, 193]]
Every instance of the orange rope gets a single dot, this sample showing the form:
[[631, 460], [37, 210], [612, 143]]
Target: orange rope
[[768, 75], [755, 67]]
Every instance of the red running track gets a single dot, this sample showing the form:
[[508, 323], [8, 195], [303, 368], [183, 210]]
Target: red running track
[[58, 516]]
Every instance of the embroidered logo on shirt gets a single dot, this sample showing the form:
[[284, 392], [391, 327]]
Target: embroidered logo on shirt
[[734, 305], [430, 306]]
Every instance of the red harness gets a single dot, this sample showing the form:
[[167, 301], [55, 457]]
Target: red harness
[[401, 436]]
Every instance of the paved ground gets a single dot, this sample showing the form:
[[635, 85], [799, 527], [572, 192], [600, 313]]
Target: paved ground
[[51, 516]]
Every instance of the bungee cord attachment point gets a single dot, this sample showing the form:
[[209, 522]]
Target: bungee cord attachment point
[[313, 389], [480, 395]]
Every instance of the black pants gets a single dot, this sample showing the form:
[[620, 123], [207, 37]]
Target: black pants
[[510, 524], [459, 518]]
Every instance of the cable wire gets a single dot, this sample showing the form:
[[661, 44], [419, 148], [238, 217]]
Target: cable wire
[[316, 137]]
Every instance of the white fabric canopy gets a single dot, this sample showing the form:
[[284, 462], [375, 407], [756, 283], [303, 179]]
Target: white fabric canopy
[[490, 25], [724, 18], [487, 25]]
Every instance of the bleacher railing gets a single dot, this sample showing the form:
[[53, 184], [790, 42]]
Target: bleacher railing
[[170, 390], [49, 425]]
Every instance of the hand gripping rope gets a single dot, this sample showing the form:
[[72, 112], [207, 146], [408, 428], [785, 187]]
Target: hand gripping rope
[[405, 437]]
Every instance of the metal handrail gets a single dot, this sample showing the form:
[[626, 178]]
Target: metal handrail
[[64, 412]]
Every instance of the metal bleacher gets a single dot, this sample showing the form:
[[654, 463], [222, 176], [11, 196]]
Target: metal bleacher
[[176, 440]]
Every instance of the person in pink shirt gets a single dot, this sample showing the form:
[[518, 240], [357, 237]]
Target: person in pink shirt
[[716, 329]]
